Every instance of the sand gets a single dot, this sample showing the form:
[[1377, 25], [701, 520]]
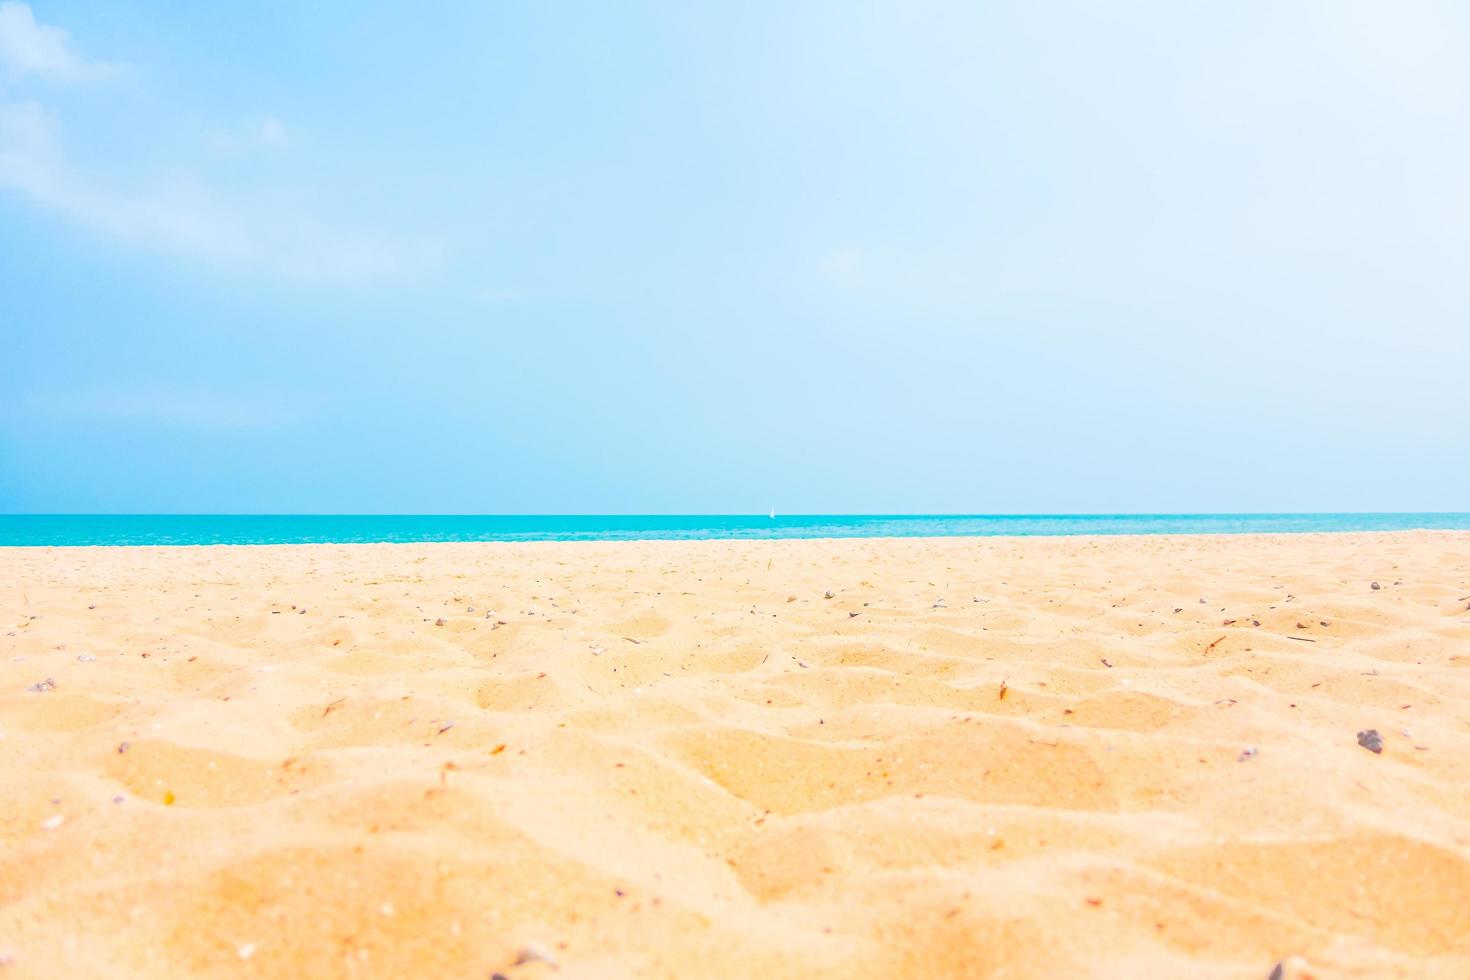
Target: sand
[[1107, 757]]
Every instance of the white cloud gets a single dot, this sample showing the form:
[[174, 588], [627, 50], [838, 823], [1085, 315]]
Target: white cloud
[[182, 217], [29, 48], [187, 216], [270, 133], [185, 213]]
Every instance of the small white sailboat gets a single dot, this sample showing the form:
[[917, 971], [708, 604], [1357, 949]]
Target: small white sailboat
[[773, 513]]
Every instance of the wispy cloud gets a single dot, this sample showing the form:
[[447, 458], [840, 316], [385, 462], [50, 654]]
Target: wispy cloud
[[184, 213], [29, 48], [267, 134], [180, 217]]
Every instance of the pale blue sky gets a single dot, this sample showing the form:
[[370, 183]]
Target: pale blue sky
[[838, 257]]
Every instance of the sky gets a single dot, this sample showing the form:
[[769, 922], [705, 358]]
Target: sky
[[840, 257]]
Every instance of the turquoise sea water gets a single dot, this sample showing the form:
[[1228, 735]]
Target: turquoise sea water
[[193, 529]]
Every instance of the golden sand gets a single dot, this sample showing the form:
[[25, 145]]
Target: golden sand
[[1002, 757]]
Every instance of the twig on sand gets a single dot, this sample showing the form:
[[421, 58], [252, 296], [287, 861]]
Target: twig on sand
[[1213, 645], [531, 953], [1303, 639]]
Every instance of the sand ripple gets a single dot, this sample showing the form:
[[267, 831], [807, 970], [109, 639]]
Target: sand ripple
[[1020, 758]]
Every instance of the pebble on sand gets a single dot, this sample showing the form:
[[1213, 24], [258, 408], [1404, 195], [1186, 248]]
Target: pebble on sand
[[1369, 739]]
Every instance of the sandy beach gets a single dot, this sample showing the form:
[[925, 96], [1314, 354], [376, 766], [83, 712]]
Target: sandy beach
[[1131, 756]]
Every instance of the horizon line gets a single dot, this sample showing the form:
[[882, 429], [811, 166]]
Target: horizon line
[[751, 514]]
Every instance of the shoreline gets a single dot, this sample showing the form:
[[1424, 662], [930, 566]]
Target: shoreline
[[180, 529], [893, 539]]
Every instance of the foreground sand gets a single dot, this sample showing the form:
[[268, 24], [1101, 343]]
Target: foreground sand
[[996, 757]]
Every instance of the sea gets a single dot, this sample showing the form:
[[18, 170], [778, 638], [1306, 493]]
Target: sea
[[55, 530]]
